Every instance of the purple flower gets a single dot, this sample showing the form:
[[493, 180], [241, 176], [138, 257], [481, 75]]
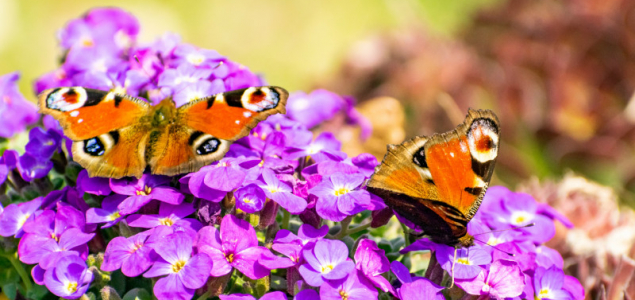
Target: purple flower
[[196, 90], [314, 108], [413, 288], [267, 296], [132, 255], [326, 260], [15, 111], [15, 215], [213, 182], [235, 246], [169, 215], [250, 198], [548, 284], [185, 273], [467, 263], [372, 262], [504, 279], [339, 196], [108, 213], [325, 147], [353, 287], [307, 294], [47, 254], [43, 144], [46, 226], [188, 54], [280, 192], [143, 190], [69, 277], [505, 209], [33, 167], [93, 185]]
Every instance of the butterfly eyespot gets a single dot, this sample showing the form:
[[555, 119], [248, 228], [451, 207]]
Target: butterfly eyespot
[[94, 147], [208, 146], [420, 158], [483, 140]]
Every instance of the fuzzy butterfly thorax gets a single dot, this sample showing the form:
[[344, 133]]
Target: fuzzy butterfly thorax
[[117, 135], [438, 182]]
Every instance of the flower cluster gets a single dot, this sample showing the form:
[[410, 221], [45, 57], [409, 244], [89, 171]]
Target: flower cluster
[[250, 226]]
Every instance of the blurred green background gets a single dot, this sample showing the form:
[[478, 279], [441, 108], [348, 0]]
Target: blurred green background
[[293, 42]]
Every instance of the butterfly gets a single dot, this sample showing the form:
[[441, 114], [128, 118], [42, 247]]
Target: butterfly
[[438, 182], [118, 135]]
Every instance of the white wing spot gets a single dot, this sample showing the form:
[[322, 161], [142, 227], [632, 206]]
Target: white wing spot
[[80, 120], [452, 154], [247, 114], [237, 121], [74, 113]]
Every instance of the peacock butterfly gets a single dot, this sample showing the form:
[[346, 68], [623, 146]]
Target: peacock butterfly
[[438, 183], [118, 135]]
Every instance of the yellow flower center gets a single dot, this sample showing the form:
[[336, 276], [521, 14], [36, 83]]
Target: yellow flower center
[[344, 295], [262, 163], [327, 269], [195, 59], [314, 149], [166, 221], [136, 247], [178, 266], [247, 200], [521, 218], [230, 257], [71, 287], [273, 189], [544, 293], [146, 191], [341, 191], [87, 42], [114, 216], [463, 260], [23, 219], [493, 241], [55, 237]]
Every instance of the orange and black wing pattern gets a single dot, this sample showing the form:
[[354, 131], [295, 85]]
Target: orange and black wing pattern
[[438, 183]]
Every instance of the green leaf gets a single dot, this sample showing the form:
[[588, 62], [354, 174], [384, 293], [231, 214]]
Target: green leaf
[[137, 294], [9, 274], [10, 290], [37, 292]]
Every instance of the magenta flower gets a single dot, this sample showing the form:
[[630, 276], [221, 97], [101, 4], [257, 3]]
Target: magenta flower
[[47, 254], [33, 167], [307, 294], [108, 213], [250, 198], [339, 196], [325, 260], [353, 287], [467, 264], [185, 272], [549, 283], [504, 279], [15, 111], [42, 143], [93, 185], [169, 215], [213, 182], [69, 278], [132, 255], [143, 190], [234, 246], [372, 262], [267, 296], [413, 288], [325, 147], [314, 108], [15, 215], [280, 192]]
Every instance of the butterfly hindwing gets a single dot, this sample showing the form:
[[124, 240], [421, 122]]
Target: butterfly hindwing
[[446, 174], [206, 127]]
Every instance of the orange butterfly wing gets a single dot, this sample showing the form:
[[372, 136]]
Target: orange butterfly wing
[[107, 129], [444, 176]]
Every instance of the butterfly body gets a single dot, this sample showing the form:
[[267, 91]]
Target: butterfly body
[[438, 183], [116, 135]]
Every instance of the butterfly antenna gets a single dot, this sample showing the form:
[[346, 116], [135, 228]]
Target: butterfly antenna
[[513, 228], [508, 253]]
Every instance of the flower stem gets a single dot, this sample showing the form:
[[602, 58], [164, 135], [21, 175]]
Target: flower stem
[[358, 228], [286, 217], [406, 235], [19, 267], [205, 296], [344, 230]]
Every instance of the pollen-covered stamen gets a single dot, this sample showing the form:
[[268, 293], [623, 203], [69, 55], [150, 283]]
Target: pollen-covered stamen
[[71, 287], [114, 216], [326, 269], [247, 200], [55, 237], [195, 58], [229, 257], [22, 220], [520, 218], [339, 191], [166, 221], [178, 266], [463, 261], [545, 293], [145, 192], [344, 295], [137, 245]]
